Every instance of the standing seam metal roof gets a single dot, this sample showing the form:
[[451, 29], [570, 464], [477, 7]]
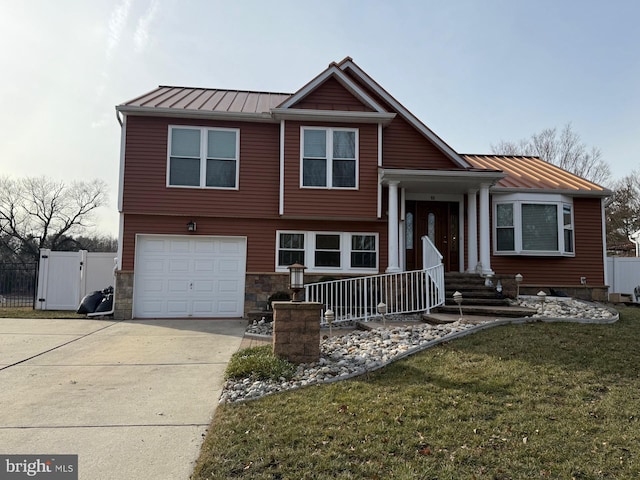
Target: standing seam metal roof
[[533, 173], [209, 100]]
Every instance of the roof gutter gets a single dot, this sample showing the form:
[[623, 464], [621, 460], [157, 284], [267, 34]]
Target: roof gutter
[[563, 191], [332, 115], [172, 112]]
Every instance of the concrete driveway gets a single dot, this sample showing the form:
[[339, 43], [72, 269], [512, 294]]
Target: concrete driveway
[[132, 399]]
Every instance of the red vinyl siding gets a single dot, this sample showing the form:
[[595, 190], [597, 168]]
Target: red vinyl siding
[[145, 189], [261, 234], [331, 95], [405, 147], [332, 203], [588, 261]]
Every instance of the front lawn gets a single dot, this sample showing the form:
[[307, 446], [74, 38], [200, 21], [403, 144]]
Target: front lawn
[[521, 401], [28, 312]]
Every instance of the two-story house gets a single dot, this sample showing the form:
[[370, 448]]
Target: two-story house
[[221, 190]]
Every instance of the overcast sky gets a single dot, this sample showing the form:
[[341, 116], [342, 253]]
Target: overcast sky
[[475, 71]]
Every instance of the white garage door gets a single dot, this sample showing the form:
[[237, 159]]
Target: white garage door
[[180, 276]]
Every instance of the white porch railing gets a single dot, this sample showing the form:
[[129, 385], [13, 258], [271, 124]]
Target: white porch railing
[[358, 298], [431, 256]]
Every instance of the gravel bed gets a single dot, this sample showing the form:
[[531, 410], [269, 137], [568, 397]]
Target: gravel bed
[[360, 351]]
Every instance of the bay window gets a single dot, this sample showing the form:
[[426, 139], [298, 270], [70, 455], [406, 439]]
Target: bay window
[[533, 225]]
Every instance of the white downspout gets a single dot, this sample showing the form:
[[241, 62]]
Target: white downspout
[[281, 190]]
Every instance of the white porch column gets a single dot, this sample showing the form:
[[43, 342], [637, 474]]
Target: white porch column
[[472, 234], [485, 229], [394, 265]]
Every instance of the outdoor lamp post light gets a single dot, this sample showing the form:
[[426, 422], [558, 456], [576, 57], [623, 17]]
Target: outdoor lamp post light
[[191, 226], [542, 296], [457, 297], [382, 310], [296, 279], [518, 282], [329, 316]]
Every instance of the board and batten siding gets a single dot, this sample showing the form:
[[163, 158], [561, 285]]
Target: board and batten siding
[[588, 261], [332, 203], [145, 178], [331, 95], [260, 234]]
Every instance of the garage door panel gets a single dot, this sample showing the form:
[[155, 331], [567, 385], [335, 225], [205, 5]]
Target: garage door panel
[[204, 266], [202, 307], [179, 245], [227, 286], [226, 308], [155, 245], [176, 308], [228, 266], [189, 276], [178, 266], [152, 265], [203, 287], [152, 285], [205, 247], [177, 286], [230, 247], [152, 307]]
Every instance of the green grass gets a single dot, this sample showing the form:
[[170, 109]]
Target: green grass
[[28, 312], [558, 401], [258, 363]]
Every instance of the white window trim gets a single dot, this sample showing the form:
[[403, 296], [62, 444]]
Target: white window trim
[[204, 157], [329, 158], [517, 200], [345, 252]]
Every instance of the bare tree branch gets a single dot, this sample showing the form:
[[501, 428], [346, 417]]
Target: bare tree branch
[[36, 212], [564, 149]]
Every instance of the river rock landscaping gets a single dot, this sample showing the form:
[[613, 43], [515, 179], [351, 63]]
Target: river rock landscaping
[[360, 351]]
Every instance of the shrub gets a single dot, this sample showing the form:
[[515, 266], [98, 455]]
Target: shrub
[[259, 363], [278, 297]]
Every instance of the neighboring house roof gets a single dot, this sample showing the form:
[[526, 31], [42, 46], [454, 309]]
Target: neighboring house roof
[[534, 174]]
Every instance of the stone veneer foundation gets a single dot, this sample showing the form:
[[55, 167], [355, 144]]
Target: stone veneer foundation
[[260, 286], [123, 301]]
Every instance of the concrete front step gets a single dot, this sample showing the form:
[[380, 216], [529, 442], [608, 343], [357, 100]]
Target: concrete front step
[[488, 311], [471, 293], [500, 302]]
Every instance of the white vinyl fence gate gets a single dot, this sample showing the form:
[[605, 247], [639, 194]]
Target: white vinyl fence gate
[[623, 274], [65, 277]]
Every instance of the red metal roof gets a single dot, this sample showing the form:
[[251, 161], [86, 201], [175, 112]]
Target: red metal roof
[[533, 173], [208, 100]]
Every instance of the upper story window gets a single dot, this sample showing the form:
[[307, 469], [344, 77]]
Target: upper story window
[[530, 225], [329, 157], [203, 157]]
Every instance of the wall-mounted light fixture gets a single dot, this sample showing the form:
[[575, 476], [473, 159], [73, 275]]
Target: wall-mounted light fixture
[[191, 226]]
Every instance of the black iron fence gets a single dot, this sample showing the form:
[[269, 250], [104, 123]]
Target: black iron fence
[[18, 284]]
